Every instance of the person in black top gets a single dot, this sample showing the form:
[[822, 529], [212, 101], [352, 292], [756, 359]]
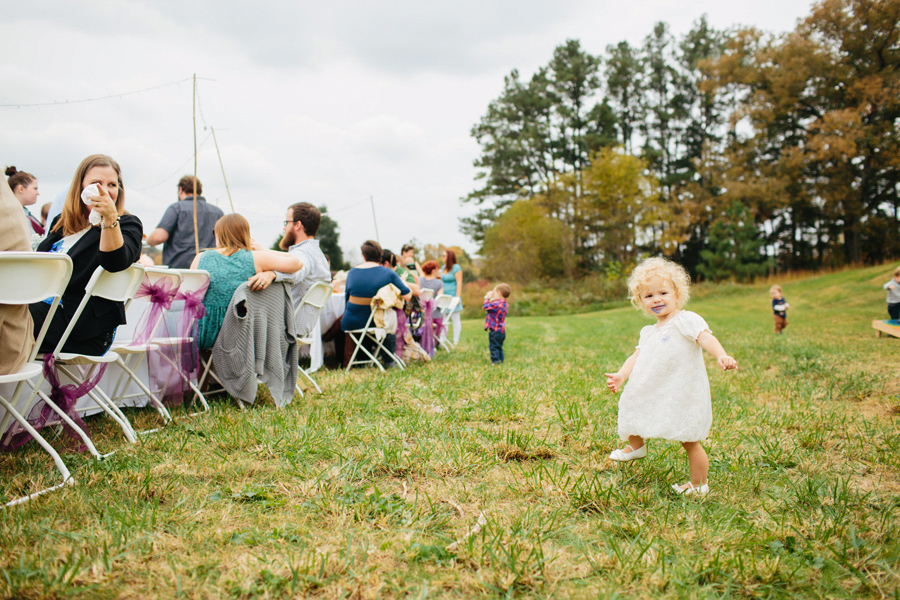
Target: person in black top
[[114, 243]]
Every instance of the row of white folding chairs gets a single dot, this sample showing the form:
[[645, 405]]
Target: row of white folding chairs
[[185, 281], [41, 276], [445, 303]]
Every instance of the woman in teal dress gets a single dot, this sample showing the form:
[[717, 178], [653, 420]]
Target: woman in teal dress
[[451, 276], [235, 260]]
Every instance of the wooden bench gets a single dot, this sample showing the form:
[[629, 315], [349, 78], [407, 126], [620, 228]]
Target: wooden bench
[[883, 327]]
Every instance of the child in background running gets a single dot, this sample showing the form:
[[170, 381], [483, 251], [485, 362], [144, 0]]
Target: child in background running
[[495, 307], [668, 395], [893, 295], [779, 308]]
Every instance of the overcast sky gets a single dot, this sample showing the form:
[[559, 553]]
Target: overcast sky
[[324, 102]]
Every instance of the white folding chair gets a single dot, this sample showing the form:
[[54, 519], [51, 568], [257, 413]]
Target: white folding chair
[[426, 294], [192, 282], [118, 287], [376, 334], [131, 352], [33, 277], [316, 296], [446, 304]]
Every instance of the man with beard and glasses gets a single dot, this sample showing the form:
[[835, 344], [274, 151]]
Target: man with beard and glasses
[[300, 227]]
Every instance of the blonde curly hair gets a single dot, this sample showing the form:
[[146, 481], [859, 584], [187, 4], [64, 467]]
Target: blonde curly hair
[[658, 267]]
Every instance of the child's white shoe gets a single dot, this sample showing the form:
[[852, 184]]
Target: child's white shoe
[[691, 489], [621, 456]]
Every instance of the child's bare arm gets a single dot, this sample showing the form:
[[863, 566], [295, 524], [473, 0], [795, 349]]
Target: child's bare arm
[[615, 381], [709, 343]]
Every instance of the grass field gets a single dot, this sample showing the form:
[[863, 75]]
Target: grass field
[[458, 479]]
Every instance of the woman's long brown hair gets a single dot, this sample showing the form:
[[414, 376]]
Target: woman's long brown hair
[[74, 216], [451, 260], [232, 233]]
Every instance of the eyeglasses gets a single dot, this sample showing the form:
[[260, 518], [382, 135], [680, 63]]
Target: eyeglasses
[[286, 222]]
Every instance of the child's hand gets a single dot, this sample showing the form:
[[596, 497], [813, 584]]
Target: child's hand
[[727, 363], [614, 381]]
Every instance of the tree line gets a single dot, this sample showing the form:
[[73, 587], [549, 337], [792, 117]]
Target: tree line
[[736, 152]]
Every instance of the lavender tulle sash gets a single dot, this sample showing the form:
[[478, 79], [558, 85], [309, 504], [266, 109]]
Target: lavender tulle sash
[[183, 357], [41, 415], [161, 295], [188, 327], [431, 330], [402, 328]]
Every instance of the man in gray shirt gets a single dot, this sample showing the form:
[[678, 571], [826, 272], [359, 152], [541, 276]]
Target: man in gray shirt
[[300, 227], [176, 229]]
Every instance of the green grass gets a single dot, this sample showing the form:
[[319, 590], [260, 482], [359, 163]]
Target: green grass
[[458, 479]]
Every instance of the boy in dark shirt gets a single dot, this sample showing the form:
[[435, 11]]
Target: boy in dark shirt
[[779, 308], [495, 307]]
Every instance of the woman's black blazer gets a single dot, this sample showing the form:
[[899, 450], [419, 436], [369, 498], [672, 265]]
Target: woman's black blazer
[[100, 315]]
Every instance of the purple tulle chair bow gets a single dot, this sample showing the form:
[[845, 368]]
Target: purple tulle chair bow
[[160, 294], [431, 329], [188, 327], [41, 415], [402, 328], [182, 360]]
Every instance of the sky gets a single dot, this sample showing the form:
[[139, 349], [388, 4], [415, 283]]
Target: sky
[[355, 105]]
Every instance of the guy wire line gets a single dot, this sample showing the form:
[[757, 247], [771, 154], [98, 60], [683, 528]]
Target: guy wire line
[[176, 172], [97, 99], [216, 142], [221, 164]]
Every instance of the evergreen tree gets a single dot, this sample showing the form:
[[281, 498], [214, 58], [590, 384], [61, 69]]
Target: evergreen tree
[[329, 241], [734, 248]]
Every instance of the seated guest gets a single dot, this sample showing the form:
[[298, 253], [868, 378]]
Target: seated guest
[[431, 280], [300, 229], [16, 336], [389, 260], [339, 281], [114, 243], [363, 282], [231, 263], [45, 210], [408, 260], [25, 187]]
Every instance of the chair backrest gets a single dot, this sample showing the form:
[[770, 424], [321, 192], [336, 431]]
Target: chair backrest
[[446, 303], [118, 287], [37, 276], [155, 275], [33, 276], [192, 279], [317, 296], [443, 301], [426, 295]]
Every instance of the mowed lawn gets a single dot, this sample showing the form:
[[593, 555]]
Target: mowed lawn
[[459, 479]]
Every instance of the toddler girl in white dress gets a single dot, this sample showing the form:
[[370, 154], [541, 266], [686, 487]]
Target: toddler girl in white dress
[[668, 394]]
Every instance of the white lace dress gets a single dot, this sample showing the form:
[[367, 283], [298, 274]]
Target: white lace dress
[[667, 395]]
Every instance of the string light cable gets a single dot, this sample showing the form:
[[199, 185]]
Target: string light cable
[[96, 99]]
